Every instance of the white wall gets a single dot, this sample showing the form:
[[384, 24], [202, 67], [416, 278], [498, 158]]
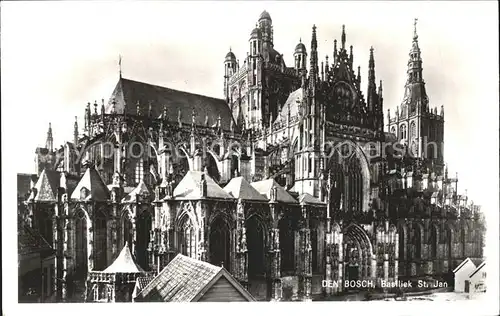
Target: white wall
[[462, 275]]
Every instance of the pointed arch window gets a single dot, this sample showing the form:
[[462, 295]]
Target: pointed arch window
[[139, 170], [413, 130]]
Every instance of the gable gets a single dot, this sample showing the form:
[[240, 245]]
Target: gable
[[222, 291], [467, 265]]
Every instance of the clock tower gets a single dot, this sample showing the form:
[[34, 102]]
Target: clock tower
[[415, 123]]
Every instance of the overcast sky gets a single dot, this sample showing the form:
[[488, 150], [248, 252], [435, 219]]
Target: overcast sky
[[57, 56]]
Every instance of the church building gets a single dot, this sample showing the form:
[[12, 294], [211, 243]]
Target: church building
[[291, 178]]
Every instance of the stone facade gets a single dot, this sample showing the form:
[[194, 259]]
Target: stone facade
[[155, 168]]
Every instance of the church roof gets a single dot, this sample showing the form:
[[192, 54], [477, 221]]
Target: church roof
[[265, 15], [291, 103], [24, 183], [306, 198], [477, 269], [29, 241], [128, 93], [265, 186], [46, 187], [141, 189], [124, 263], [189, 187], [186, 279], [242, 189], [93, 182]]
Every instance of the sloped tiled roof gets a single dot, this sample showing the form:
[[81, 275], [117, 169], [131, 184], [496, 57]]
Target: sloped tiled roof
[[141, 189], [477, 269], [24, 183], [46, 187], [462, 264], [93, 182], [124, 263], [29, 241], [128, 92], [189, 187], [186, 280], [306, 198], [291, 103], [265, 186], [241, 189]]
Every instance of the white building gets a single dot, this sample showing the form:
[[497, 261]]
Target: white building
[[477, 279], [462, 273]]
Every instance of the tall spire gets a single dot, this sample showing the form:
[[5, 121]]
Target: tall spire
[[415, 36], [314, 56], [343, 37], [49, 144], [415, 95], [372, 90], [120, 65], [75, 131]]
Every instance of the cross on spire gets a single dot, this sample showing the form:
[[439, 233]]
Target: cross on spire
[[120, 65], [415, 28]]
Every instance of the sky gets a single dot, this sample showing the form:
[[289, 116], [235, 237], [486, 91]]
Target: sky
[[57, 56]]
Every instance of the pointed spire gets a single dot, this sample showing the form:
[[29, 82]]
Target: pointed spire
[[371, 98], [103, 109], [138, 108], [165, 113], [75, 131], [314, 58], [359, 74], [334, 51], [380, 90], [351, 55], [113, 108], [95, 107], [415, 36], [50, 140], [442, 110], [120, 65], [343, 37]]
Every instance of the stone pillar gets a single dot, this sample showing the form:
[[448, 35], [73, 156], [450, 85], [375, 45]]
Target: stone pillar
[[275, 255], [241, 266]]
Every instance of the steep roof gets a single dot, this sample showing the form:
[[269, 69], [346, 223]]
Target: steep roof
[[93, 182], [265, 186], [477, 269], [141, 189], [46, 187], [186, 280], [124, 263], [462, 264], [189, 187], [24, 183], [241, 189], [29, 241], [291, 103], [306, 198], [128, 93]]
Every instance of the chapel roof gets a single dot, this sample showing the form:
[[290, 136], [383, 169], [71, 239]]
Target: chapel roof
[[265, 187], [30, 241], [189, 187], [128, 93], [241, 189], [46, 187], [306, 198], [140, 189], [124, 263], [186, 279], [92, 181]]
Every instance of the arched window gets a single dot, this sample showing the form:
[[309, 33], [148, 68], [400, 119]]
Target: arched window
[[403, 132], [287, 244], [100, 241], [413, 130], [220, 243], [433, 242], [139, 170], [143, 234], [81, 256], [187, 238], [354, 196], [256, 239], [393, 130]]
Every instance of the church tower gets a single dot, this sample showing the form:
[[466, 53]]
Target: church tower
[[415, 124]]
